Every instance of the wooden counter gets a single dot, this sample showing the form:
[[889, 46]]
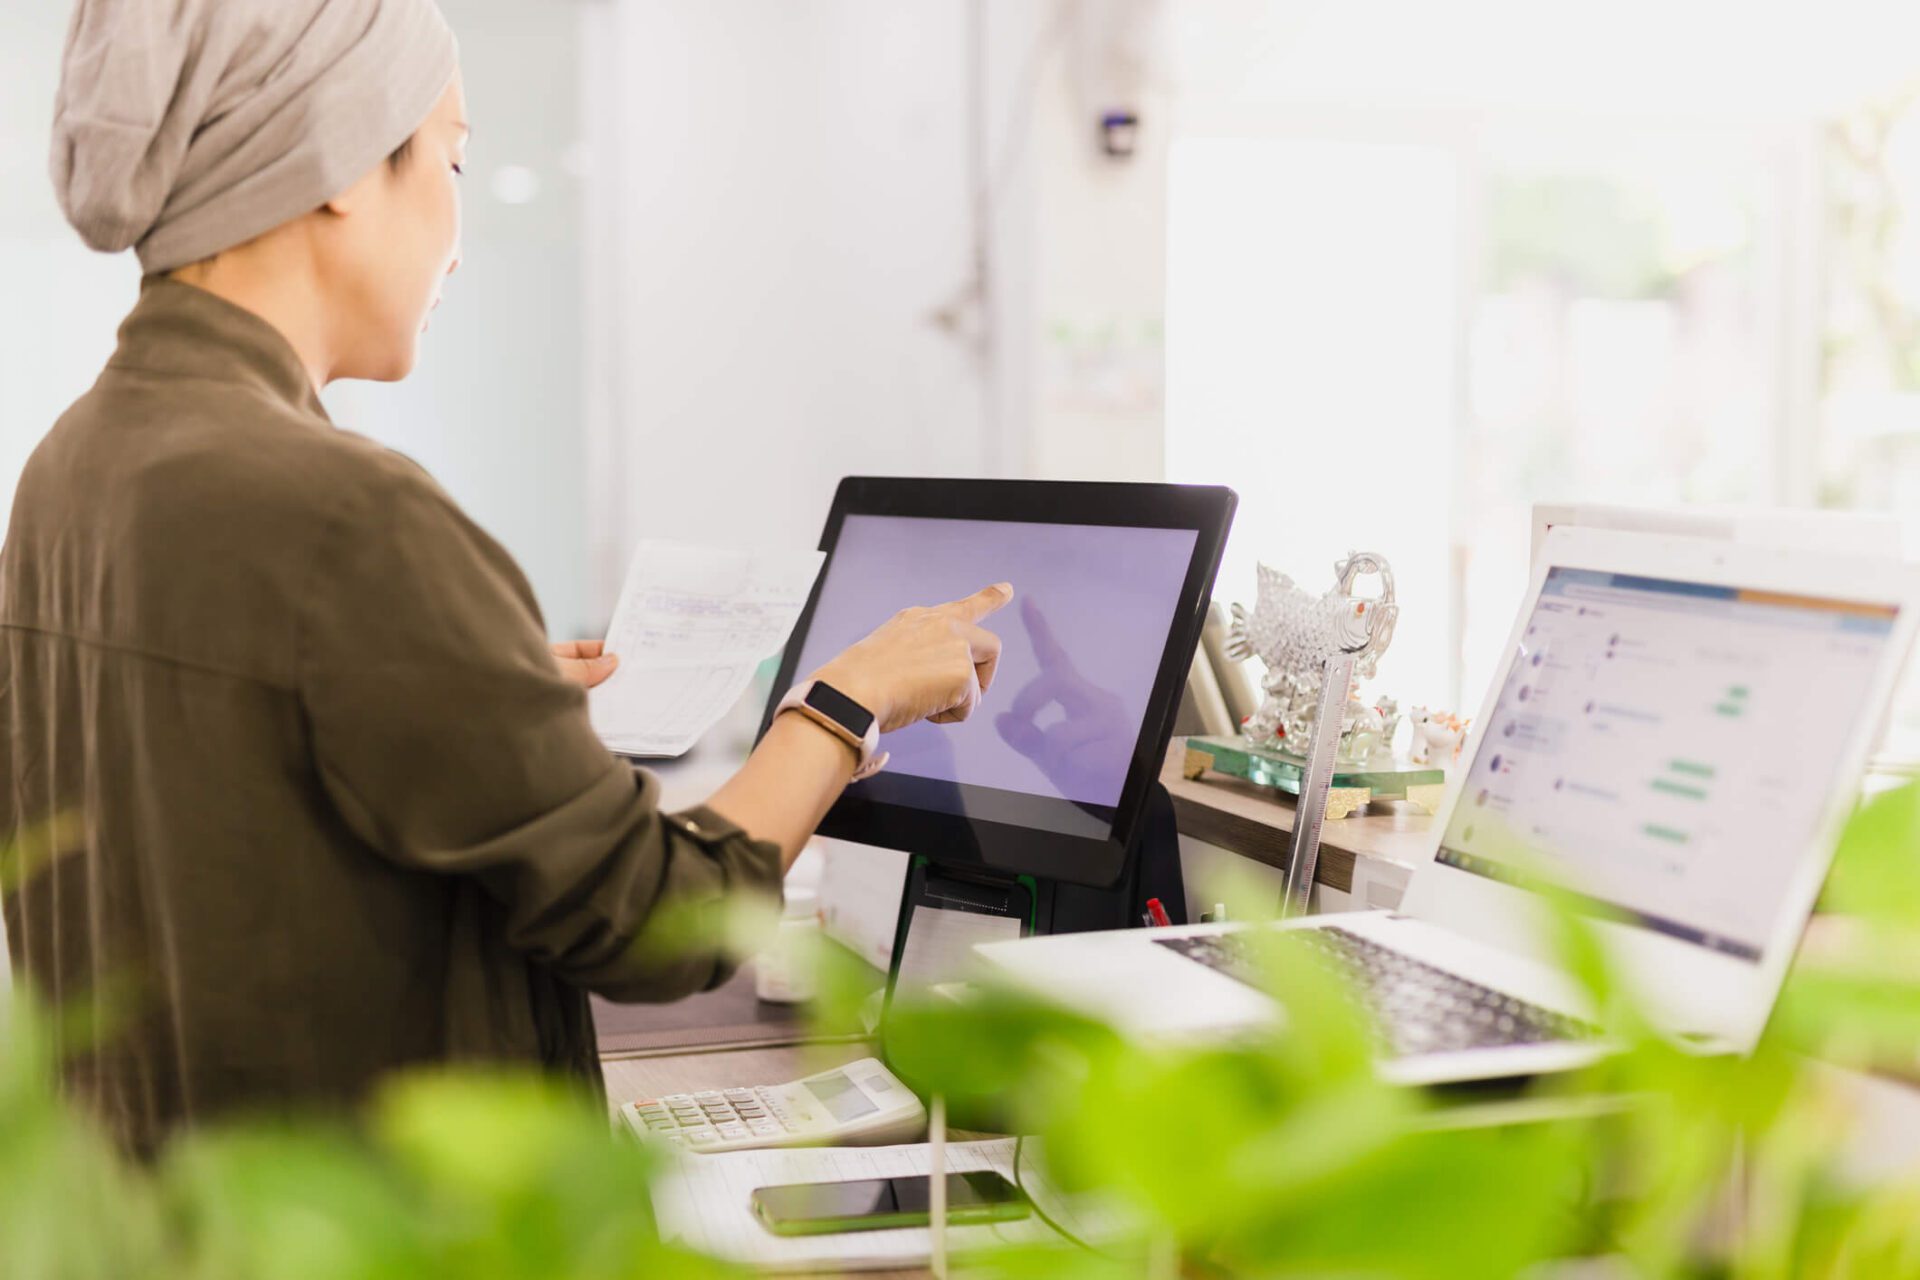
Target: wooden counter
[[1257, 823]]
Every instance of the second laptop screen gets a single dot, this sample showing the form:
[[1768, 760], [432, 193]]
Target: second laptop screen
[[1668, 748]]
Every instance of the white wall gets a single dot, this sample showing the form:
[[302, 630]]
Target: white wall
[[788, 204], [495, 409], [1098, 392]]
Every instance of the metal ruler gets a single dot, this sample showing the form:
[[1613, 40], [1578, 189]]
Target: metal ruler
[[1316, 779]]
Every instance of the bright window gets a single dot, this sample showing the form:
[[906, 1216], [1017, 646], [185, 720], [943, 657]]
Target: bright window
[[1402, 347], [1312, 292]]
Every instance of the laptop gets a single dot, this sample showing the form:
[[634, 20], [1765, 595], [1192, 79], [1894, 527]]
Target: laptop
[[1675, 738]]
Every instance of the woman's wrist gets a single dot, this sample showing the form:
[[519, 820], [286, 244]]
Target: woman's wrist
[[787, 784]]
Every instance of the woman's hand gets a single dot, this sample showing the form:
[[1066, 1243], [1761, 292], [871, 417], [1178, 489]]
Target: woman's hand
[[923, 664], [582, 661]]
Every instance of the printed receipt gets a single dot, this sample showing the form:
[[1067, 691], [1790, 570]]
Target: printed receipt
[[692, 625]]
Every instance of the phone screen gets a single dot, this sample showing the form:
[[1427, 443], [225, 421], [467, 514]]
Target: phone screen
[[875, 1203]]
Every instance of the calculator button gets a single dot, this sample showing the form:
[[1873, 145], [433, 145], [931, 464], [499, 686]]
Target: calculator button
[[677, 1099], [733, 1131], [702, 1138], [709, 1095], [739, 1095], [764, 1129]]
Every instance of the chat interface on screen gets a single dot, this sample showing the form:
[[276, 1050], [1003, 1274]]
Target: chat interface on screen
[[1667, 748], [1081, 645]]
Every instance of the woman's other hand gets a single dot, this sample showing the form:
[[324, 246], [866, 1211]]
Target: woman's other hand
[[923, 664], [584, 663]]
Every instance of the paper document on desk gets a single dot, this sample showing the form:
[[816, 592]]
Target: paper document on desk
[[704, 1203], [692, 625]]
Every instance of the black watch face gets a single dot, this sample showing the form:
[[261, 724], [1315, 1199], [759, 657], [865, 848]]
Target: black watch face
[[839, 708]]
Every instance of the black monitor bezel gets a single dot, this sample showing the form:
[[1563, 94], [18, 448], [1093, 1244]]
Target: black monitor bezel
[[954, 839]]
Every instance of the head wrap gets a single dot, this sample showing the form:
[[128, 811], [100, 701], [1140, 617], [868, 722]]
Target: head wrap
[[185, 127]]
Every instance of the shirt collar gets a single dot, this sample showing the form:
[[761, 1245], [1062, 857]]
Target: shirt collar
[[183, 330]]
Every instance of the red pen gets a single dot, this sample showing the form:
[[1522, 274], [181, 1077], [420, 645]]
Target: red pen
[[1158, 912]]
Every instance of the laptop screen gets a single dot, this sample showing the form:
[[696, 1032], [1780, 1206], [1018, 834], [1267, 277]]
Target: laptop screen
[[1667, 748], [1082, 643]]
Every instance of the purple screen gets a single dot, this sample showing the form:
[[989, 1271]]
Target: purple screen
[[1081, 643]]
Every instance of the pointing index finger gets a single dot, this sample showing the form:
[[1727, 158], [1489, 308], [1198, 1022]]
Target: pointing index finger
[[982, 602]]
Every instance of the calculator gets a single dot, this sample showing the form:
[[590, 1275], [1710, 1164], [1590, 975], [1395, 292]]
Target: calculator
[[860, 1104]]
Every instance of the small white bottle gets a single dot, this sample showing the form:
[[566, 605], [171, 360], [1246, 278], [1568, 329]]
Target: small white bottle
[[784, 972]]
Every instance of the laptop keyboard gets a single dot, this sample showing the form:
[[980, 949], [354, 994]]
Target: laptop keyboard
[[1419, 1009]]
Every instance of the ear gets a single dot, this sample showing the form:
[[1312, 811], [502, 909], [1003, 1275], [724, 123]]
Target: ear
[[350, 201]]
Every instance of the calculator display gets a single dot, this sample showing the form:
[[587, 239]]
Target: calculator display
[[841, 1097]]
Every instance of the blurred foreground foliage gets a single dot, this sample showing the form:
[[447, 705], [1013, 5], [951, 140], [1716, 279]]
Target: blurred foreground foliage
[[477, 1176], [1280, 1155]]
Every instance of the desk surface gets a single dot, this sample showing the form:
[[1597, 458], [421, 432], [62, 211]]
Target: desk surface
[[649, 1077], [1884, 1114], [1257, 822]]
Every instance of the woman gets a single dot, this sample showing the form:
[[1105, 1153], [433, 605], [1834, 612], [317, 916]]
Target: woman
[[300, 793]]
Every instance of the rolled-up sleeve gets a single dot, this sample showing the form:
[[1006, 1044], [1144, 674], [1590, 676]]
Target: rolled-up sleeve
[[449, 742]]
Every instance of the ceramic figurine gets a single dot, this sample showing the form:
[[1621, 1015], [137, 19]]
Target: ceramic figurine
[[1437, 736]]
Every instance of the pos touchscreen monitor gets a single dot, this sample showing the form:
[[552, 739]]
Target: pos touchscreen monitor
[[1111, 584]]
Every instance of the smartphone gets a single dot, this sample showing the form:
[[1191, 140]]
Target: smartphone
[[825, 1208]]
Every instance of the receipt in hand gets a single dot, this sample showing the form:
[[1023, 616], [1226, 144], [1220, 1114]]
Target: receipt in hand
[[692, 625]]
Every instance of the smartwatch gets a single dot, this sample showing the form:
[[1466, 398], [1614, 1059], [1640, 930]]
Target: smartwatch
[[841, 716]]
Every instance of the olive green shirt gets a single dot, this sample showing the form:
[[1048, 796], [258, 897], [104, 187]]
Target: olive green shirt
[[296, 792]]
